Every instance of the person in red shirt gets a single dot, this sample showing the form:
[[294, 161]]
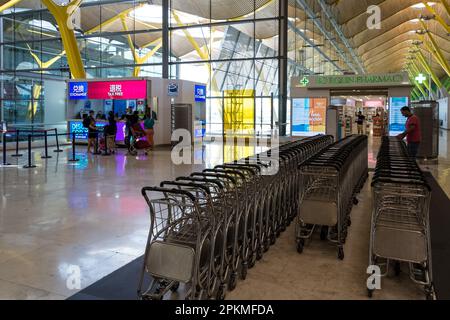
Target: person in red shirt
[[412, 133]]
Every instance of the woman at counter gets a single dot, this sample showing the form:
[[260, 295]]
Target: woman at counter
[[92, 130]]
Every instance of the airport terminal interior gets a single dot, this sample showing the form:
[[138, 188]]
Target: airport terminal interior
[[224, 149]]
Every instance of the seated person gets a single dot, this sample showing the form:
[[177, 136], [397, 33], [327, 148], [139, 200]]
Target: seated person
[[100, 116]]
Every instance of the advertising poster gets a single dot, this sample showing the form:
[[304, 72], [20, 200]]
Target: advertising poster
[[300, 117], [396, 120], [308, 116], [317, 115]]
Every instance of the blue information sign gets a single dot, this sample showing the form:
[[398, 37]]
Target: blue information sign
[[78, 90], [200, 93]]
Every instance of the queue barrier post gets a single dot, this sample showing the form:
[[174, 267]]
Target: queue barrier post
[[30, 165], [57, 142], [74, 159], [17, 154], [5, 163], [46, 156]]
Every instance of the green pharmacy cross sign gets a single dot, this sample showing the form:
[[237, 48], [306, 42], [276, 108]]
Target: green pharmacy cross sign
[[304, 81], [420, 78]]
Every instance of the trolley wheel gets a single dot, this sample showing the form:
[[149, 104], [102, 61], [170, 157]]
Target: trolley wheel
[[266, 244], [355, 201], [324, 233], [397, 268], [341, 253], [244, 271], [370, 293], [175, 287], [252, 261], [259, 253], [233, 281], [429, 292], [300, 245], [220, 295], [273, 239]]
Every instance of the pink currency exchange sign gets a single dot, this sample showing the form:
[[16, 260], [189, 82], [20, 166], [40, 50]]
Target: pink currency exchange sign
[[117, 90]]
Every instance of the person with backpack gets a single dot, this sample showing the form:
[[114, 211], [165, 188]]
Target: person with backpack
[[110, 133], [149, 124]]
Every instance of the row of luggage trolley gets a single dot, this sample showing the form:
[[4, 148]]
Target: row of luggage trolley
[[400, 230], [330, 182], [208, 228]]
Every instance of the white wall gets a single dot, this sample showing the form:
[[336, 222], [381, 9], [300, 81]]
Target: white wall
[[444, 113], [54, 101], [159, 88]]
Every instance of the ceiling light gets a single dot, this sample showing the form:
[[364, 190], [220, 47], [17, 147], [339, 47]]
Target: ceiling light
[[420, 5]]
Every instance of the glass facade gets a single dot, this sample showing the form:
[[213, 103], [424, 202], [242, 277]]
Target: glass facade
[[231, 45]]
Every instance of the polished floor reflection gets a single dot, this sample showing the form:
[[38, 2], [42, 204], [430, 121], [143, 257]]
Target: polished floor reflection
[[63, 219]]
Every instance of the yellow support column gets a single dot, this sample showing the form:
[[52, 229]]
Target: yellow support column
[[417, 70], [435, 51], [9, 4], [32, 107], [425, 65], [137, 59], [446, 6], [62, 15], [203, 54], [437, 17], [418, 86]]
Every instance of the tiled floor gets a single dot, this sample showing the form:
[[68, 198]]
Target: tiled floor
[[90, 215]]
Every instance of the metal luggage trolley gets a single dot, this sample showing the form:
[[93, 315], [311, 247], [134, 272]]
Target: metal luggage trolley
[[266, 187], [247, 221], [256, 207], [207, 227], [222, 196], [400, 229], [178, 244], [331, 180], [236, 234], [211, 203]]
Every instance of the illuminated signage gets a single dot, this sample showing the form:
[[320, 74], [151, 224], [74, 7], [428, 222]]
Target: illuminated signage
[[420, 78], [78, 90], [200, 93], [108, 90], [304, 82], [369, 80]]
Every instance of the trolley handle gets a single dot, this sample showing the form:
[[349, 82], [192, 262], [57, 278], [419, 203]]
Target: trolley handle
[[144, 191], [251, 168], [214, 181], [215, 175], [225, 171], [401, 181], [186, 184]]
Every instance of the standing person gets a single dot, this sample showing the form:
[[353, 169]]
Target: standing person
[[360, 122], [149, 124], [128, 116], [412, 131], [92, 131], [110, 133]]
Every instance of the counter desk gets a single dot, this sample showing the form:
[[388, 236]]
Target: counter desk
[[81, 133]]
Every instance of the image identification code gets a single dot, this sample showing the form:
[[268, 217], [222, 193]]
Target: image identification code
[[253, 309]]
